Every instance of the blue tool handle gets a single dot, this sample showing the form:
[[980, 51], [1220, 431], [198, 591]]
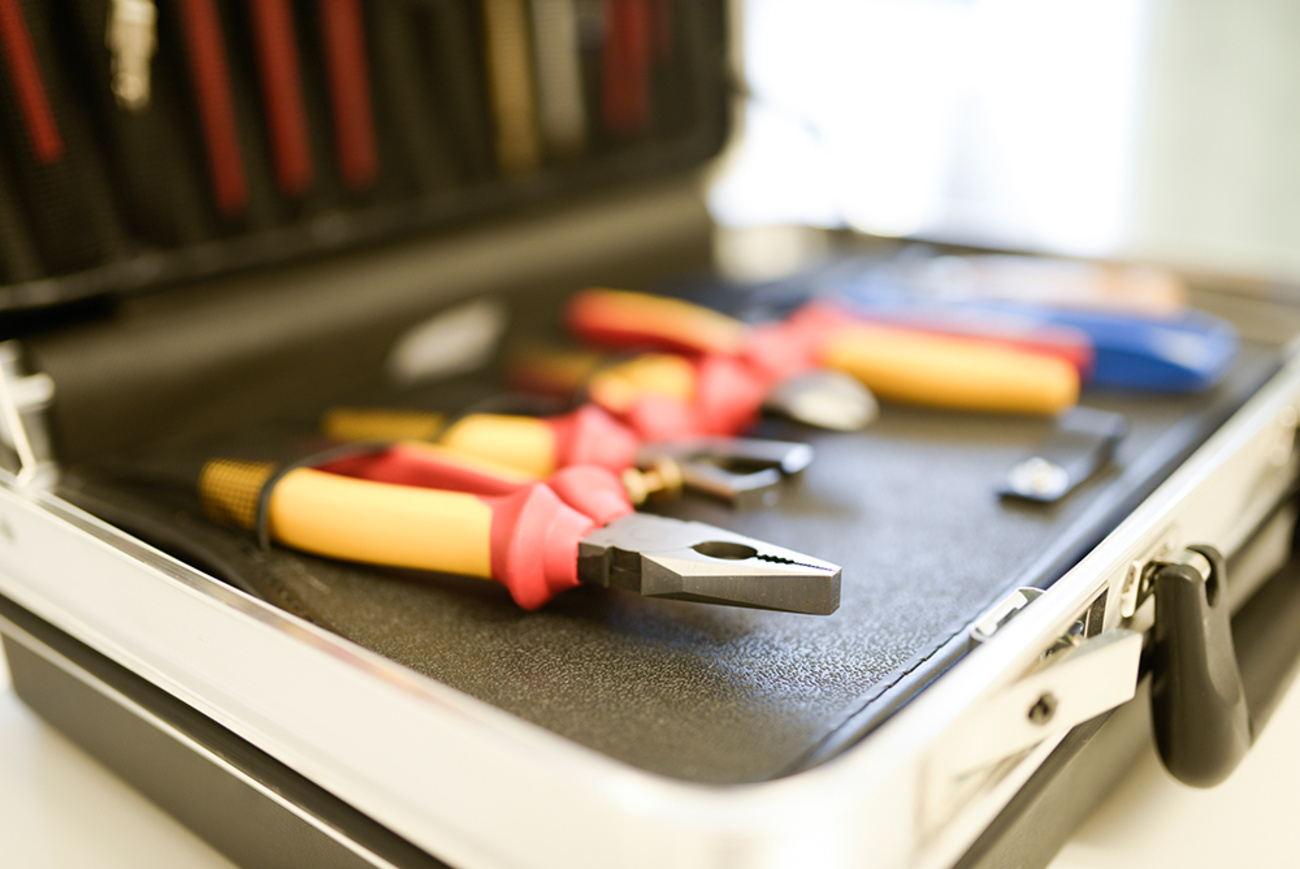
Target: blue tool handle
[[1187, 352]]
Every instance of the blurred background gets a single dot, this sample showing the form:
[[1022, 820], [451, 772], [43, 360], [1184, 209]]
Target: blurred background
[[1138, 129]]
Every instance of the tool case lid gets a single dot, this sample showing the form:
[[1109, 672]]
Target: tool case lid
[[202, 138]]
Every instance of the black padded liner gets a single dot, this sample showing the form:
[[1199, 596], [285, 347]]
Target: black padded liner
[[721, 695]]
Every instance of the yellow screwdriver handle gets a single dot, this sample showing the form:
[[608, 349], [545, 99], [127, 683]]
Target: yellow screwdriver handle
[[937, 371]]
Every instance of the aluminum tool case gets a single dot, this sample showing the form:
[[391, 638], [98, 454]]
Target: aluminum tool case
[[393, 721]]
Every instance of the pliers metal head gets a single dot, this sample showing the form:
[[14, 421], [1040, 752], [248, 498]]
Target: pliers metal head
[[744, 472], [657, 556]]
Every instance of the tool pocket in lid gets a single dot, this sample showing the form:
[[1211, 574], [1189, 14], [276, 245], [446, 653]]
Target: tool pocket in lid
[[56, 171], [132, 87]]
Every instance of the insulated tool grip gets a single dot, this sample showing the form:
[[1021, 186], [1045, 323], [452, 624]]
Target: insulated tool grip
[[522, 442], [431, 467], [1046, 339], [272, 25], [379, 523], [527, 540], [619, 386], [381, 424], [552, 371], [534, 445], [625, 67], [210, 71], [618, 318], [595, 492], [931, 370], [661, 396]]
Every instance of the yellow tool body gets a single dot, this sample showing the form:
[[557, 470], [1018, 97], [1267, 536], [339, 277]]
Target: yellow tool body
[[381, 424], [379, 523], [525, 537], [477, 464], [624, 318], [619, 387], [940, 371], [521, 442], [899, 364], [525, 443]]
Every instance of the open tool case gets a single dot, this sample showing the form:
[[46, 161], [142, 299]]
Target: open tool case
[[244, 243]]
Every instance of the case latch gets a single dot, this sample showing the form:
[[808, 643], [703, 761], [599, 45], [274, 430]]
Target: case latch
[[1075, 683], [1202, 724]]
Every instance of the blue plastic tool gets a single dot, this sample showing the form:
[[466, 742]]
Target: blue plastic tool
[[1186, 352]]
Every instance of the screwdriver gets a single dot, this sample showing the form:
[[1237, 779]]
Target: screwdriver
[[906, 365], [529, 540]]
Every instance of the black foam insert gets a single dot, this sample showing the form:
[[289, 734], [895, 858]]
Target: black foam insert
[[721, 695]]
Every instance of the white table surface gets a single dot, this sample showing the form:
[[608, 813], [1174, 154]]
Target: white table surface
[[59, 809]]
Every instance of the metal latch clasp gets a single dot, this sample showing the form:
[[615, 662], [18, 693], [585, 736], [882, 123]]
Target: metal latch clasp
[[1072, 686]]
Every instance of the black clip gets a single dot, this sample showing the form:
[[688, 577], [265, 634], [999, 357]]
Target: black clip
[[1081, 443]]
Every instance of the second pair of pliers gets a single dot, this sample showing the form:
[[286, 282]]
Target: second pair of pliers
[[741, 471], [442, 512]]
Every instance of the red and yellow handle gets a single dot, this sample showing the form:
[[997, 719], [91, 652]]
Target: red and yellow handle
[[596, 492], [660, 396], [917, 368], [622, 319], [901, 364], [536, 445], [526, 540]]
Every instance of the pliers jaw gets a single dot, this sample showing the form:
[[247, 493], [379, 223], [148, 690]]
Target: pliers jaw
[[744, 472], [656, 556]]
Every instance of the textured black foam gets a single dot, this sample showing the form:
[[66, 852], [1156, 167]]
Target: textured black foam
[[721, 695]]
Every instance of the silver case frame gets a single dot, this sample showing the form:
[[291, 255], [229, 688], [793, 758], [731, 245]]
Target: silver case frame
[[450, 773]]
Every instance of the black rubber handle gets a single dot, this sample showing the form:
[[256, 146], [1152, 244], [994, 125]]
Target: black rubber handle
[[1201, 720]]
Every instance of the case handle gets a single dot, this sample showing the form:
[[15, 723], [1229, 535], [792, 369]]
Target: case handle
[[1202, 722]]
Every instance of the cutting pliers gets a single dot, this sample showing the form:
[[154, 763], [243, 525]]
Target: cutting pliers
[[527, 538], [664, 396], [900, 364], [742, 471]]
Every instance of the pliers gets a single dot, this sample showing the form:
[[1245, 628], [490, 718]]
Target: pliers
[[665, 396], [901, 364], [742, 471], [527, 538]]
